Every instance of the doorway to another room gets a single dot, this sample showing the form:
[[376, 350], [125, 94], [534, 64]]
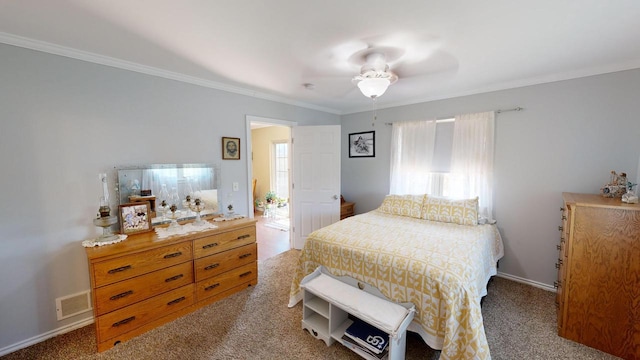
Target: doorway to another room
[[270, 154]]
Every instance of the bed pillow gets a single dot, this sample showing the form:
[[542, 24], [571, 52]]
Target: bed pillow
[[403, 205], [463, 212]]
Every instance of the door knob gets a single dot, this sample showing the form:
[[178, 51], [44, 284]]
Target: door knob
[[335, 197]]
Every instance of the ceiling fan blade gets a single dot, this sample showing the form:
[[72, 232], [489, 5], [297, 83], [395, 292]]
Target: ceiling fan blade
[[439, 61]]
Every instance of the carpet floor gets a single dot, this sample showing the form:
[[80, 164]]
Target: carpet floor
[[520, 323]]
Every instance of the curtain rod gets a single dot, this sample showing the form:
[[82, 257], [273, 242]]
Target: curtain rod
[[450, 118]]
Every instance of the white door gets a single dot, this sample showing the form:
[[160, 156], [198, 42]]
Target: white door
[[316, 179]]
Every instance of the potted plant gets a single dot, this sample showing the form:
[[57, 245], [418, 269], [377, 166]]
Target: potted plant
[[270, 197]]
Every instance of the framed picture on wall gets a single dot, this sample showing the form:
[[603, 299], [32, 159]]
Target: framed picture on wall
[[135, 217], [230, 148], [362, 144]]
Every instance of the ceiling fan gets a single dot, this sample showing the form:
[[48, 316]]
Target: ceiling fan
[[375, 76], [405, 56], [378, 62]]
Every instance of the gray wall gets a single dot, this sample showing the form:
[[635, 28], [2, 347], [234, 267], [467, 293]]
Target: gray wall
[[62, 122], [570, 135]]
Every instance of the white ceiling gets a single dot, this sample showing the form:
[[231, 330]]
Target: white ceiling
[[269, 49]]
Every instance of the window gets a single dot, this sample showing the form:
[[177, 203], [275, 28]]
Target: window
[[435, 158], [421, 157], [280, 168]]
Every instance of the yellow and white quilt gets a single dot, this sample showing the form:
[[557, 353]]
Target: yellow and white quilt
[[442, 268]]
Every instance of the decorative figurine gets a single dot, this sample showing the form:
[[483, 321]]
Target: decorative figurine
[[630, 197], [616, 187]]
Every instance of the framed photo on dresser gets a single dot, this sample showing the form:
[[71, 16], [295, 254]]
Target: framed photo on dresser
[[135, 218]]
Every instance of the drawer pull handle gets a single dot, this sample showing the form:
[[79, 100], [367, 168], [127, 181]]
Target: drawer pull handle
[[210, 245], [558, 247], [245, 255], [173, 302], [560, 228], [557, 284], [117, 270], [173, 278], [211, 287], [245, 274], [212, 266], [561, 209], [243, 236], [125, 321], [121, 295], [169, 256], [564, 217]]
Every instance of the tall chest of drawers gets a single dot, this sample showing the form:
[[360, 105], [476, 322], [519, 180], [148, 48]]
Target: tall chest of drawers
[[144, 282], [598, 283]]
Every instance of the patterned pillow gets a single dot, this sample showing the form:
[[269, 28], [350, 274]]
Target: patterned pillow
[[404, 205], [463, 212]]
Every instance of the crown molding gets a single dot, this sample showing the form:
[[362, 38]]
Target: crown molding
[[60, 50], [50, 48]]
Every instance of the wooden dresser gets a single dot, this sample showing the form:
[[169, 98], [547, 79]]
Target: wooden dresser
[[598, 283], [144, 282]]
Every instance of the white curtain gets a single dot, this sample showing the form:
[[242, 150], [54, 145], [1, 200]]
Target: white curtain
[[412, 147], [472, 160]]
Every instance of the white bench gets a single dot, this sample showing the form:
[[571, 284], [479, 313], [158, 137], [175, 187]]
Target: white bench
[[329, 300]]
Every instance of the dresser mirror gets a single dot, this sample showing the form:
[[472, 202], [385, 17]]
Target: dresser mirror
[[169, 182]]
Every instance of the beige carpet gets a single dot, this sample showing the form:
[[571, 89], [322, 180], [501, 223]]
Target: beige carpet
[[257, 324]]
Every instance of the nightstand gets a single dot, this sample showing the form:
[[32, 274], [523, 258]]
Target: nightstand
[[347, 209]]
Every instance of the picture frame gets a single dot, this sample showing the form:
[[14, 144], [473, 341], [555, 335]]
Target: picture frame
[[135, 217], [230, 148], [362, 144]]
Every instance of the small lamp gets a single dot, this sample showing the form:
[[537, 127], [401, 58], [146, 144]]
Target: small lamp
[[104, 218]]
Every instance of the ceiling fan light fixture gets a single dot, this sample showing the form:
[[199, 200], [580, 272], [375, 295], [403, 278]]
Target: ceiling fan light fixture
[[374, 77], [373, 87]]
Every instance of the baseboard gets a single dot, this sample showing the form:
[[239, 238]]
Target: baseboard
[[526, 281], [42, 337]]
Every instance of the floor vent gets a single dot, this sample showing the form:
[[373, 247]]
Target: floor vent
[[75, 304]]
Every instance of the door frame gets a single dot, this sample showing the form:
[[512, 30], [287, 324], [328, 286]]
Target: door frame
[[275, 122]]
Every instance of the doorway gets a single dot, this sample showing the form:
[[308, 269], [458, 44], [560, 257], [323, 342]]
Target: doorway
[[269, 144]]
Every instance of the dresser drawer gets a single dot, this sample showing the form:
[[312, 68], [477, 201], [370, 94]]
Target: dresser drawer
[[134, 316], [226, 281], [212, 265], [127, 292], [225, 241], [128, 266]]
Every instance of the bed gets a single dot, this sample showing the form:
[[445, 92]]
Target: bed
[[427, 251]]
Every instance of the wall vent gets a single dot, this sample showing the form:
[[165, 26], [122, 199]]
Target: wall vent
[[75, 304]]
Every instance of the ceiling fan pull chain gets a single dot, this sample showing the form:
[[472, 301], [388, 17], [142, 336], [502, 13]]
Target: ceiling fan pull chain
[[375, 114]]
